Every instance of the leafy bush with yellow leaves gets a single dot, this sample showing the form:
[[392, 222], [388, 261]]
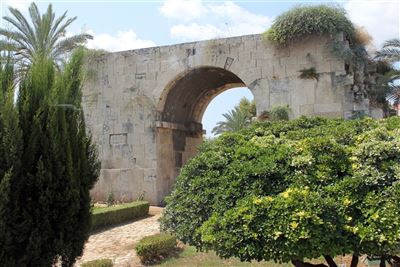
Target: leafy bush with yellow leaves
[[289, 191]]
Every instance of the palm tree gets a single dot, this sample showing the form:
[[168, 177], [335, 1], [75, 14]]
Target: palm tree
[[235, 120], [390, 51], [388, 82], [44, 37]]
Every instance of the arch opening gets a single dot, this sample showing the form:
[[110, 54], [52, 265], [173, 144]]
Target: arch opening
[[214, 118], [179, 129]]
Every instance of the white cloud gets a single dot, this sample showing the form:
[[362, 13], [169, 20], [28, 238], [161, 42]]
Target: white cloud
[[124, 40], [231, 10], [195, 31], [380, 18], [233, 21], [183, 9]]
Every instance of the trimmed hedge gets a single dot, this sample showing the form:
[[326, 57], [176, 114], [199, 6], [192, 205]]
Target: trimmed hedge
[[118, 214], [98, 263], [151, 248]]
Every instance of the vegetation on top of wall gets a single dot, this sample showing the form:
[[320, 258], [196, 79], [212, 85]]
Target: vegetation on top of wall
[[303, 21]]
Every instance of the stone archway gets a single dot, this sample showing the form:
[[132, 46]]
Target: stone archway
[[178, 127], [144, 107]]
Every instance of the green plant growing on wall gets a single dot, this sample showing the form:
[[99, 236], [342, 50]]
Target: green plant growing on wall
[[303, 21], [351, 54], [309, 73], [276, 113], [279, 113], [110, 199]]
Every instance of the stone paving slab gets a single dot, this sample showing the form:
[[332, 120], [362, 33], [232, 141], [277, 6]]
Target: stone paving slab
[[118, 243]]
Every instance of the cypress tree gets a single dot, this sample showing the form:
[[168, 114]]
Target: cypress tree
[[49, 199], [10, 152]]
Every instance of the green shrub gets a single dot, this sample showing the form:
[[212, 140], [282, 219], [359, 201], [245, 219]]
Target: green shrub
[[110, 199], [278, 113], [151, 248], [289, 190], [303, 21], [118, 214], [98, 263]]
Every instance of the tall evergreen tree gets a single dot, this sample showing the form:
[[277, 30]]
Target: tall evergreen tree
[[10, 152], [48, 200]]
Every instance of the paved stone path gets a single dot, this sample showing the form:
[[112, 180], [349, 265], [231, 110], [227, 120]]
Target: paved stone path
[[118, 243]]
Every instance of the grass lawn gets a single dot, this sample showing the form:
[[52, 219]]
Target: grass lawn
[[189, 257]]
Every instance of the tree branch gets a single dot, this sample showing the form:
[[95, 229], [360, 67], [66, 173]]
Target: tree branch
[[396, 259], [330, 261], [354, 260], [383, 262]]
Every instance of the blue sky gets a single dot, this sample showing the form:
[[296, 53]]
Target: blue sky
[[131, 24]]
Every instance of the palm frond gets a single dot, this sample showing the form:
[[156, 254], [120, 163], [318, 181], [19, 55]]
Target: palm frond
[[21, 23], [57, 24], [390, 54], [60, 32], [42, 36], [8, 46], [395, 42], [68, 44]]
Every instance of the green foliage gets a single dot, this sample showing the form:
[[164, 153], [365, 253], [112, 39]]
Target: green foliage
[[117, 214], [287, 191], [248, 107], [387, 84], [50, 167], [353, 53], [237, 118], [309, 73], [42, 38], [390, 51], [358, 114], [279, 113], [110, 199], [151, 248], [98, 263], [302, 21]]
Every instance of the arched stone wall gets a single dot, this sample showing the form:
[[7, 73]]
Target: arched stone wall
[[179, 131], [138, 103]]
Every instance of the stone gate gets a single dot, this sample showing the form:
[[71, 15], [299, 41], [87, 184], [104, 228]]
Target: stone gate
[[144, 107]]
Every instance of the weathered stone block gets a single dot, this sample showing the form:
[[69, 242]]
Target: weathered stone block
[[327, 108]]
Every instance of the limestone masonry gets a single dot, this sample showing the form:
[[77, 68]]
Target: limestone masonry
[[144, 107]]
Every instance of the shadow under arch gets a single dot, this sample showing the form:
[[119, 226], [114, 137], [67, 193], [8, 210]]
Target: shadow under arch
[[180, 109]]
